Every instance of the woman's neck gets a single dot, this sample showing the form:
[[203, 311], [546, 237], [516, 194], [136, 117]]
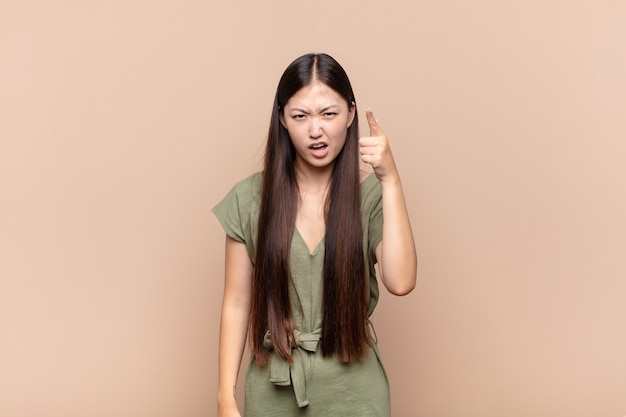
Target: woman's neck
[[313, 180]]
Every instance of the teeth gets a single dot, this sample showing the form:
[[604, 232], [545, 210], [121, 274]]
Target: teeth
[[317, 146]]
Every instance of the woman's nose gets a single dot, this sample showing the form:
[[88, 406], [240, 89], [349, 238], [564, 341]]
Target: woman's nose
[[316, 128]]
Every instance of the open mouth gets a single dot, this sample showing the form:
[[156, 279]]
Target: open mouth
[[319, 150]]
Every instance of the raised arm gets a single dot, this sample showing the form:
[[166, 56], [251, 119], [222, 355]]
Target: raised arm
[[397, 259], [233, 324]]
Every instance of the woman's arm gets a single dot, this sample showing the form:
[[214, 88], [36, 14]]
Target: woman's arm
[[233, 324], [397, 260], [396, 256]]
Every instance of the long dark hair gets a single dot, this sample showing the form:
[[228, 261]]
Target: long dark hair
[[345, 300]]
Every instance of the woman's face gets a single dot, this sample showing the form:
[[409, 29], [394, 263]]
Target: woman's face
[[317, 119]]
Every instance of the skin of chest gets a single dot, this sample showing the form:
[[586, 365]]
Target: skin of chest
[[310, 218]]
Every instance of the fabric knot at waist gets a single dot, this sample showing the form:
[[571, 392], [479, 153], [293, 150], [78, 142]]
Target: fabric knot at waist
[[283, 374]]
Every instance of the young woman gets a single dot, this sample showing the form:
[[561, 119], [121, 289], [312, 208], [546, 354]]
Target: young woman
[[302, 239]]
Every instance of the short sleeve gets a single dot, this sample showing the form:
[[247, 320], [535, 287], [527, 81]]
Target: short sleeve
[[228, 213], [376, 223], [372, 212], [237, 212], [372, 216]]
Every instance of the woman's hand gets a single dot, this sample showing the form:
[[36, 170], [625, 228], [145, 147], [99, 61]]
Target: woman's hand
[[376, 152]]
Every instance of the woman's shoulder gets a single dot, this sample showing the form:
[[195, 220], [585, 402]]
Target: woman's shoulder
[[371, 191], [245, 191], [250, 184], [252, 180], [369, 181], [237, 211]]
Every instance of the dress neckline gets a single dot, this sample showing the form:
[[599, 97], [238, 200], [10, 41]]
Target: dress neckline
[[308, 249]]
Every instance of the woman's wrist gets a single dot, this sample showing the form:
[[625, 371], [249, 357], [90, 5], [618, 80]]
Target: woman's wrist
[[226, 397]]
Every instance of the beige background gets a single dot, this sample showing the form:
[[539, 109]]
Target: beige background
[[122, 123]]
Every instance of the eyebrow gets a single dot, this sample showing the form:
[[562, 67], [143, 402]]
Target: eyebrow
[[298, 109]]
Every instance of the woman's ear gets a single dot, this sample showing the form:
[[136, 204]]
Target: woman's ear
[[351, 113], [281, 117]]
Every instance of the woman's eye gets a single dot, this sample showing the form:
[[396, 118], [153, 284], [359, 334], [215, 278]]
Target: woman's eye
[[329, 114], [298, 116]]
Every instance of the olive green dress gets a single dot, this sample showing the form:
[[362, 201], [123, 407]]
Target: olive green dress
[[312, 385]]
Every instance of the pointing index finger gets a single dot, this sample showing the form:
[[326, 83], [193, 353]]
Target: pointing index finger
[[373, 123]]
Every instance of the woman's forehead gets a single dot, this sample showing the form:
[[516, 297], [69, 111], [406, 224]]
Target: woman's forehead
[[315, 95]]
